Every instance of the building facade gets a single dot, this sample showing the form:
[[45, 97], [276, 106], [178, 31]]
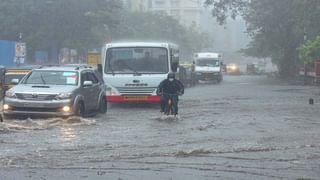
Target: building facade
[[187, 12], [136, 5]]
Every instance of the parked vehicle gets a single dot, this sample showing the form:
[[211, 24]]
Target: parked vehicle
[[187, 75], [256, 68], [208, 66], [310, 74], [13, 73], [57, 91], [133, 70]]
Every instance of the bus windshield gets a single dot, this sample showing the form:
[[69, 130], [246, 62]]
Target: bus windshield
[[208, 62], [137, 60]]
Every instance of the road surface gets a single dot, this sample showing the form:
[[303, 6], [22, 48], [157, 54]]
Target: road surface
[[247, 127]]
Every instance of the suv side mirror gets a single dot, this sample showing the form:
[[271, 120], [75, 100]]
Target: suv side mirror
[[174, 62], [15, 81], [87, 83]]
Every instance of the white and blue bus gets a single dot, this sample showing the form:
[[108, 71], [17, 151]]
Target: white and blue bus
[[133, 70]]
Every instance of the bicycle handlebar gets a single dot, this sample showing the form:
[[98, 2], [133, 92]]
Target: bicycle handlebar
[[176, 94]]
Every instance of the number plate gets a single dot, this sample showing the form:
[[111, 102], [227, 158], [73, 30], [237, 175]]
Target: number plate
[[33, 105], [135, 98]]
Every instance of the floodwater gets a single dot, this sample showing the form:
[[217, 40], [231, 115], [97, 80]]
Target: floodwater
[[247, 127]]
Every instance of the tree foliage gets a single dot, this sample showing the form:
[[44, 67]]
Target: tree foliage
[[159, 27], [277, 28], [310, 51], [225, 8], [81, 24], [53, 24]]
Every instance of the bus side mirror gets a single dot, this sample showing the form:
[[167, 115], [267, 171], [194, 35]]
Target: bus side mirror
[[174, 62], [174, 67]]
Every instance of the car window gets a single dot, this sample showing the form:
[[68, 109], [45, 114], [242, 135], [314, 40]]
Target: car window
[[93, 78], [89, 76], [84, 77]]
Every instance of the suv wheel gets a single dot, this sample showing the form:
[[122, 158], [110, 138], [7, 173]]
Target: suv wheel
[[103, 106], [80, 111]]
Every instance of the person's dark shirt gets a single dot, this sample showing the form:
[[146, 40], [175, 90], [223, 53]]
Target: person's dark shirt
[[170, 87]]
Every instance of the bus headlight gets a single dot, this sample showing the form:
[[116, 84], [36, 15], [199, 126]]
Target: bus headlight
[[111, 92]]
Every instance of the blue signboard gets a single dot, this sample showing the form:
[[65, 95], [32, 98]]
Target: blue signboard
[[7, 53]]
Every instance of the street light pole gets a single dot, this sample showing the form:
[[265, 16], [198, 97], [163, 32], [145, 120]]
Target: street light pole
[[18, 60], [304, 40]]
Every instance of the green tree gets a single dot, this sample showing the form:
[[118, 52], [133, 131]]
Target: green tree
[[277, 28], [159, 27], [53, 24], [310, 51], [81, 24]]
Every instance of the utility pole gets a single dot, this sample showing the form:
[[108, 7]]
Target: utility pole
[[304, 41]]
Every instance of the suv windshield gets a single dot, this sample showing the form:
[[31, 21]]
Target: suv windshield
[[134, 60], [208, 62], [52, 77]]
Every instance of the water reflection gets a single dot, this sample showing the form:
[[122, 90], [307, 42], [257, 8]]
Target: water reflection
[[68, 134]]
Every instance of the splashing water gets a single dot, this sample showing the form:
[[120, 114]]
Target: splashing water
[[40, 124]]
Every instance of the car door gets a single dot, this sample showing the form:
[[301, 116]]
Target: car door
[[88, 92], [95, 89]]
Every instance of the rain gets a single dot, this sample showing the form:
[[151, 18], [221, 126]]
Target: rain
[[81, 85]]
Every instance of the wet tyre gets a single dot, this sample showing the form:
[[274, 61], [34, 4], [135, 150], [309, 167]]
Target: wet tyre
[[80, 110], [102, 106]]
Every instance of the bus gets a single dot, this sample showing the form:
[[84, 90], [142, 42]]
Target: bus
[[132, 71]]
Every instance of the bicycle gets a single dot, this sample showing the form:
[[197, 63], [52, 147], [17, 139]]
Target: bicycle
[[169, 108]]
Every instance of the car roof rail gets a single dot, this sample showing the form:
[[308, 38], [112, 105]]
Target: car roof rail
[[49, 65], [83, 66]]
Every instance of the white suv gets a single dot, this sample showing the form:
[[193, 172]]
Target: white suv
[[58, 91]]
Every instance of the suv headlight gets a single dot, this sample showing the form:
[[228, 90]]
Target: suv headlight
[[11, 94], [64, 95]]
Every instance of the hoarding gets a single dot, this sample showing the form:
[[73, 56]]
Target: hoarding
[[7, 53]]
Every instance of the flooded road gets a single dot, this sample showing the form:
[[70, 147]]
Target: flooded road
[[247, 127]]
